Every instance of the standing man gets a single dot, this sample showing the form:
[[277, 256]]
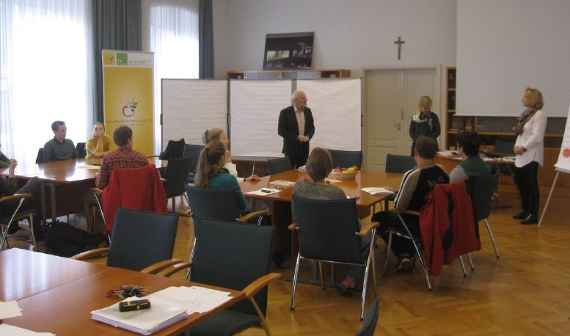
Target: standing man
[[59, 148], [297, 127]]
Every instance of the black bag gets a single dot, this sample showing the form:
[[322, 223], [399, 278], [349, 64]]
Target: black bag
[[65, 240]]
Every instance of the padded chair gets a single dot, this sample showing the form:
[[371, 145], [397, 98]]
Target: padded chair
[[174, 150], [141, 241], [40, 158], [329, 232], [278, 165], [504, 147], [399, 163], [371, 319], [346, 159], [81, 150], [16, 201], [193, 153], [176, 173], [481, 189], [241, 264]]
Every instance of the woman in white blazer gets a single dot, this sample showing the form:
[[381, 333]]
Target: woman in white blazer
[[529, 150]]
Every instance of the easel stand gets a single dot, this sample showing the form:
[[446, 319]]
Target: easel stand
[[549, 197]]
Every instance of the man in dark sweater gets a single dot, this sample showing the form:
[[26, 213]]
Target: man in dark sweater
[[59, 148], [415, 187]]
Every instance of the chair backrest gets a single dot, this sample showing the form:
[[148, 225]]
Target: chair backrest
[[278, 165], [214, 204], [371, 319], [41, 157], [504, 147], [140, 239], [193, 152], [232, 256], [81, 151], [174, 150], [328, 229], [176, 173], [399, 163], [346, 159], [481, 189]]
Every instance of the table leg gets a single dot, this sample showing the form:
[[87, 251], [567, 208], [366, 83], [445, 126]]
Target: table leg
[[53, 203]]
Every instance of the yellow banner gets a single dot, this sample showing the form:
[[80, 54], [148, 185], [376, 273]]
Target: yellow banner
[[128, 95]]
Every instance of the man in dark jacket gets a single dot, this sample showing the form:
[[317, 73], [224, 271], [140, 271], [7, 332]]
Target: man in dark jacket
[[297, 127]]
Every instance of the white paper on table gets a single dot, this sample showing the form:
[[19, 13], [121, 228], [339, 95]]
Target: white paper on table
[[8, 330], [377, 190], [263, 192], [194, 299], [9, 309], [281, 184]]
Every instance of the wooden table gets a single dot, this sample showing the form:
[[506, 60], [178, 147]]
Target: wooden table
[[280, 203], [64, 303]]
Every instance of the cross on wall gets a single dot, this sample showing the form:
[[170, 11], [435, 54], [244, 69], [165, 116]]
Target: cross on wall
[[399, 42]]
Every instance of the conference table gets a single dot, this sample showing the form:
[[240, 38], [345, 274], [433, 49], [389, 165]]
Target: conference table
[[279, 203], [58, 294]]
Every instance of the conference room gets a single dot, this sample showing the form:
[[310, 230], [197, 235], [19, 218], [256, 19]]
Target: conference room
[[201, 167]]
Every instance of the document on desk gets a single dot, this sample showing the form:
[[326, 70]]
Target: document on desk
[[9, 330], [377, 190], [194, 299], [263, 192], [9, 309]]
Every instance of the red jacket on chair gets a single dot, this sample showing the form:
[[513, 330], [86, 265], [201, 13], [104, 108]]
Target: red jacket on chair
[[436, 221], [133, 188]]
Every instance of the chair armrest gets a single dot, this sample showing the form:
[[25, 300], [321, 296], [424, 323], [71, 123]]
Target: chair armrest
[[410, 212], [177, 268], [161, 265], [365, 230], [14, 197], [252, 215], [293, 227], [92, 254], [254, 287]]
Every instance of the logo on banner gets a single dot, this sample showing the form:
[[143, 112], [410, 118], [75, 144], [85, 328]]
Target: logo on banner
[[130, 109], [122, 59]]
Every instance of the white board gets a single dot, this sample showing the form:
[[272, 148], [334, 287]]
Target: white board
[[563, 163], [337, 110], [190, 106], [504, 46], [254, 108]]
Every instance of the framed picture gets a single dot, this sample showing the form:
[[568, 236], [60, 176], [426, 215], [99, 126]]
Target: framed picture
[[292, 51]]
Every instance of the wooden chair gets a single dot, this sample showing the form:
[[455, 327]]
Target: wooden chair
[[329, 232], [237, 257], [141, 241], [16, 201]]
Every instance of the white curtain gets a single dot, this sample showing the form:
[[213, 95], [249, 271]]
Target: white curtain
[[46, 72], [172, 33]]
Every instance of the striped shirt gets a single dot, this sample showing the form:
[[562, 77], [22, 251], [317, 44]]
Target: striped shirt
[[416, 186]]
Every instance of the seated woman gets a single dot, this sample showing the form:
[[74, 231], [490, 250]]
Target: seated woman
[[219, 135], [473, 165], [212, 174], [98, 145]]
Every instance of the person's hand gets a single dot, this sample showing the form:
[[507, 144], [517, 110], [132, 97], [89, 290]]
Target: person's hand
[[519, 150], [12, 167], [301, 138]]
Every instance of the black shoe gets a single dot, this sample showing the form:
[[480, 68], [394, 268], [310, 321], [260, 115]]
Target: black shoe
[[530, 220], [521, 215]]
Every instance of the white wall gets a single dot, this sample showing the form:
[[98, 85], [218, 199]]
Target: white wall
[[348, 34]]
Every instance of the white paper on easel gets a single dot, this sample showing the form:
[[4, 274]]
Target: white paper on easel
[[563, 163]]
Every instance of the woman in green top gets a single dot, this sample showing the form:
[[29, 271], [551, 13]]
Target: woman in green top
[[473, 165], [212, 174]]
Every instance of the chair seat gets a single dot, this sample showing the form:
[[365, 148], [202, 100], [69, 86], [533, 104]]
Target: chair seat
[[225, 323]]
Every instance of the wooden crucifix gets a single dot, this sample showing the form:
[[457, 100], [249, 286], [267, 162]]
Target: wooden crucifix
[[399, 42]]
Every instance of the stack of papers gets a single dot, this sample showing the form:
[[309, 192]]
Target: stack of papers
[[17, 331], [377, 190], [9, 309], [281, 184], [162, 313], [194, 299], [263, 192]]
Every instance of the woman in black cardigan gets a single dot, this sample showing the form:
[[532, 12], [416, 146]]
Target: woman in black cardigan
[[424, 123]]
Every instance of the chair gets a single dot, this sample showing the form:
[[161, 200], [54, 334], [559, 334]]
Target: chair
[[17, 201], [504, 147], [193, 153], [40, 158], [175, 178], [278, 165], [80, 150], [481, 189], [399, 163], [174, 150], [242, 264], [329, 231], [371, 319], [346, 159], [141, 241]]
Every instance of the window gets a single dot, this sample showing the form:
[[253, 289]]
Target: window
[[173, 37], [46, 72]]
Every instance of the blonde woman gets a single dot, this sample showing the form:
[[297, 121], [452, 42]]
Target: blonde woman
[[424, 122], [529, 151], [98, 145], [219, 135]]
